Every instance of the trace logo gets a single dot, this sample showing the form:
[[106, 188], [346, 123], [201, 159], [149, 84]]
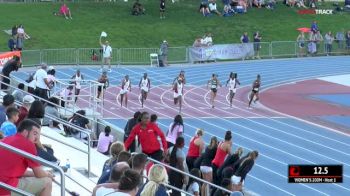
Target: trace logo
[[316, 11]]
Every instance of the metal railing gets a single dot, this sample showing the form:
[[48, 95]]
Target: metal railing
[[141, 56], [35, 158]]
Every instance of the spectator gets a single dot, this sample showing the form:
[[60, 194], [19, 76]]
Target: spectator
[[66, 96], [8, 67], [224, 149], [244, 167], [271, 4], [257, 46], [347, 38], [162, 9], [242, 5], [138, 163], [148, 134], [81, 121], [208, 39], [65, 11], [301, 43], [177, 160], [23, 110], [328, 38], [55, 127], [212, 7], [115, 149], [18, 94], [314, 27], [117, 172], [31, 83], [229, 162], [129, 126], [176, 129], [340, 38], [164, 52], [137, 9], [197, 43], [8, 128], [128, 184], [312, 49], [291, 3], [195, 149], [228, 11], [11, 43], [14, 31], [51, 110], [157, 177], [318, 39], [245, 38], [125, 156], [105, 140], [193, 184], [42, 83], [300, 3], [154, 118], [21, 33], [13, 167], [36, 111], [7, 102], [203, 8], [225, 183], [51, 78], [259, 3], [107, 55]]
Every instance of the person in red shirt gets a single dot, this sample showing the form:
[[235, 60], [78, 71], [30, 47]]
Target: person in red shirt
[[148, 134], [13, 167], [224, 149], [23, 110], [195, 149]]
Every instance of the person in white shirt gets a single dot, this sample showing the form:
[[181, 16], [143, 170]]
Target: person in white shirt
[[126, 87], [77, 78], [212, 8], [232, 83], [208, 40], [178, 93], [41, 82], [107, 55], [145, 85]]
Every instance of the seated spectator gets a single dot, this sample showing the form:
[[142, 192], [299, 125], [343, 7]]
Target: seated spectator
[[291, 3], [115, 149], [105, 140], [242, 4], [208, 40], [259, 3], [193, 184], [137, 9], [66, 95], [65, 11], [18, 94], [233, 3], [55, 127], [213, 8], [36, 111], [197, 43], [51, 110], [8, 128], [81, 121], [225, 183], [138, 163], [116, 173], [271, 4], [13, 167], [7, 102], [228, 11], [23, 110], [203, 8], [300, 3], [157, 178]]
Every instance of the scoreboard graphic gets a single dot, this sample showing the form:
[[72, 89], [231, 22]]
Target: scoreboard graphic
[[315, 173]]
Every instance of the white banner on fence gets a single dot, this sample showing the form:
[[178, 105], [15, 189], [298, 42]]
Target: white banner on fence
[[222, 52]]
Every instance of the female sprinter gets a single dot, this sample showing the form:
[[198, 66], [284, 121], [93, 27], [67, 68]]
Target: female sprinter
[[214, 83], [255, 90], [126, 87], [178, 92], [145, 85], [105, 83], [232, 82]]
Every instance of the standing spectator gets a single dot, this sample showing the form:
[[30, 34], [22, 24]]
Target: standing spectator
[[13, 167], [318, 39], [157, 177], [154, 119], [14, 31], [51, 78], [11, 44], [7, 102], [347, 38], [195, 149], [257, 46], [23, 110], [8, 128], [8, 67], [314, 27], [301, 43], [340, 38], [177, 160], [21, 33], [164, 52], [225, 183], [51, 110], [66, 96], [245, 38], [162, 9], [213, 8], [312, 49], [244, 167], [129, 126], [107, 55], [328, 41], [36, 111], [42, 83], [175, 130], [193, 184], [224, 149], [148, 134], [77, 79], [229, 162], [18, 94], [105, 140]]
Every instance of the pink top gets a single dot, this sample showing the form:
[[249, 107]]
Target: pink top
[[103, 142], [51, 78], [64, 9], [172, 135]]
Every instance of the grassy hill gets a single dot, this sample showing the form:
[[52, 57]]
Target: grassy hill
[[182, 24]]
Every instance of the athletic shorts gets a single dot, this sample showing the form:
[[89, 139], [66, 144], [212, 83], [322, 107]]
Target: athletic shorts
[[206, 169], [122, 91], [236, 179], [214, 90], [233, 90], [254, 91], [31, 184]]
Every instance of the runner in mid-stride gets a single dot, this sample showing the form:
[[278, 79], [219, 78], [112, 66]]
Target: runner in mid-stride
[[178, 92], [126, 87], [145, 86], [214, 83], [232, 83], [255, 90], [181, 76]]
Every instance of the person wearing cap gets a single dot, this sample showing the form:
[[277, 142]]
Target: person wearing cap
[[23, 110], [164, 52], [107, 54], [42, 83], [8, 67]]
